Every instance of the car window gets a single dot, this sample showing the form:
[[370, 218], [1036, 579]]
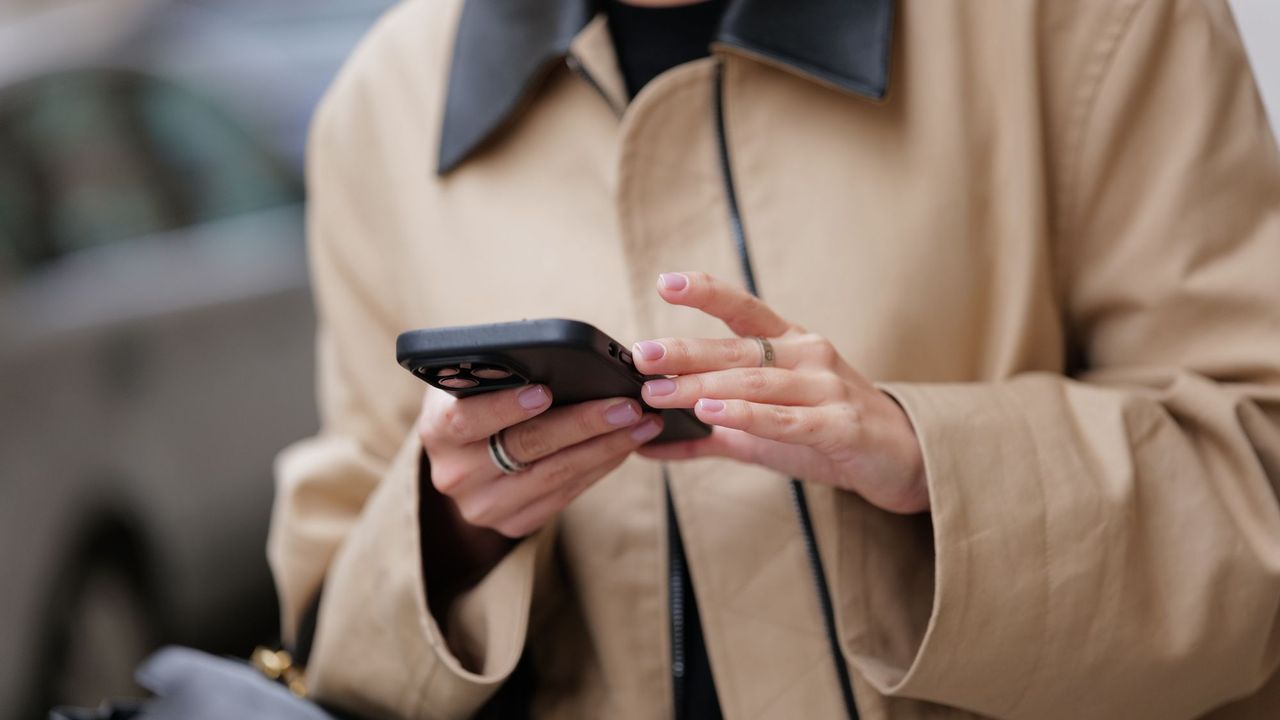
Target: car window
[[91, 158]]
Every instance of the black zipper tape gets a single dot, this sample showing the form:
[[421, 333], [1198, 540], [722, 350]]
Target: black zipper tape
[[798, 496]]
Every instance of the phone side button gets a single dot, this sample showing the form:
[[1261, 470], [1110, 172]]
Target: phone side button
[[625, 357]]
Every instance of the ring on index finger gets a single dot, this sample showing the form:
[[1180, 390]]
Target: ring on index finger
[[766, 351], [498, 453]]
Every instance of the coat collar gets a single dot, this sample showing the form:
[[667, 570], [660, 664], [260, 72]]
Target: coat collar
[[504, 48]]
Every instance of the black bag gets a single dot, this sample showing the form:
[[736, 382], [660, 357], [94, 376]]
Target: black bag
[[192, 685]]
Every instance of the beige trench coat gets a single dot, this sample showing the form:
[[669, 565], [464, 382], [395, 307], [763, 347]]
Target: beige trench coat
[[1055, 241]]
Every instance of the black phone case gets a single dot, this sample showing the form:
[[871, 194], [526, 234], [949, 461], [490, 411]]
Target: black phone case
[[573, 358]]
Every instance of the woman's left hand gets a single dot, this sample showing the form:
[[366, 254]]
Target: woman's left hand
[[810, 416]]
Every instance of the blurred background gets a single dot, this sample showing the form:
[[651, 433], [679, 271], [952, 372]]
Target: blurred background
[[155, 325]]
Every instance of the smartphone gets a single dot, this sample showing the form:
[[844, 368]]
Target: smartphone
[[573, 358]]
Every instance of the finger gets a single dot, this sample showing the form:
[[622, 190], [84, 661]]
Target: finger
[[446, 420], [528, 519], [563, 427], [744, 313], [472, 466], [680, 356], [489, 504], [819, 427], [722, 442], [761, 385]]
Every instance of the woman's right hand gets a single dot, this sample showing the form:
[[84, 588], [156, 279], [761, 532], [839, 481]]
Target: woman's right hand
[[568, 449]]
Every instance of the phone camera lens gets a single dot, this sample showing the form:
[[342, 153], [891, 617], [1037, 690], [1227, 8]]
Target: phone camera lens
[[458, 383], [491, 373], [446, 372]]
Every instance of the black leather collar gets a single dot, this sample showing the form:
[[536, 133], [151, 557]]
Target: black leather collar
[[504, 48]]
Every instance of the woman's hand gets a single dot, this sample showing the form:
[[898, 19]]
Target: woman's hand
[[811, 416], [471, 511], [566, 449]]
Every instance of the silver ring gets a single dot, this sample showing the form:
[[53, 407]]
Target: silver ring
[[766, 352], [500, 457]]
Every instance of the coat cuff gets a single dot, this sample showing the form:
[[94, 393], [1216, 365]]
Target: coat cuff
[[948, 620], [378, 651]]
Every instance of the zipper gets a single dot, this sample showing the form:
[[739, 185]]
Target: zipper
[[676, 591], [675, 601], [799, 501]]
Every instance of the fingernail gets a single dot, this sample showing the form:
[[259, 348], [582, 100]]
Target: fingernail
[[646, 431], [710, 406], [649, 350], [660, 387], [624, 413], [532, 398], [673, 281]]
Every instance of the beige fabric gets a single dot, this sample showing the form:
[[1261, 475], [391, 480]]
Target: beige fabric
[[1056, 243]]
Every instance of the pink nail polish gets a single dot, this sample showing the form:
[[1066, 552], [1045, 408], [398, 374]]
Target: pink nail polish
[[532, 398], [646, 431], [660, 387], [673, 281], [649, 350], [624, 413], [710, 406]]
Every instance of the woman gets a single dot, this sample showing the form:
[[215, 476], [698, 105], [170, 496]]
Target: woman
[[1035, 403]]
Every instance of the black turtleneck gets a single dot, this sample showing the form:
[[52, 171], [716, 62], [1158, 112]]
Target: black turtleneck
[[650, 40]]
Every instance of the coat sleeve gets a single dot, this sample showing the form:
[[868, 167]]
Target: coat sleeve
[[1107, 545], [346, 511]]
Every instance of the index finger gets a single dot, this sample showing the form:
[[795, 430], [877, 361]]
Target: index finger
[[447, 419], [745, 314]]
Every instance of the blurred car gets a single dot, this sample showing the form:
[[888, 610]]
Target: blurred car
[[155, 325]]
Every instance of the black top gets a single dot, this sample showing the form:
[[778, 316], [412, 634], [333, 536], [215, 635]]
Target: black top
[[650, 40]]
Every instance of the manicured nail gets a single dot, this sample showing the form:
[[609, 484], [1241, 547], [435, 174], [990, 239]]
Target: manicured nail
[[660, 387], [710, 406], [673, 281], [646, 431], [624, 413], [532, 398], [649, 350]]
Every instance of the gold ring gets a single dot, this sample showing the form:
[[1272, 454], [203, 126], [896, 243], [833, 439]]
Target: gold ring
[[766, 352], [500, 457]]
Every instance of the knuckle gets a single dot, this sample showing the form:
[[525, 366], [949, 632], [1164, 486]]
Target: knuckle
[[691, 386], [586, 421], [476, 512], [558, 476], [515, 529], [677, 348], [446, 478], [525, 443], [425, 434], [810, 427], [745, 305], [510, 531], [784, 418], [565, 493], [454, 423], [733, 352], [832, 387], [755, 379], [429, 425], [853, 418], [819, 349]]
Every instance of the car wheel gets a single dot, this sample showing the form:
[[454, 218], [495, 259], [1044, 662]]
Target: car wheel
[[100, 628]]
